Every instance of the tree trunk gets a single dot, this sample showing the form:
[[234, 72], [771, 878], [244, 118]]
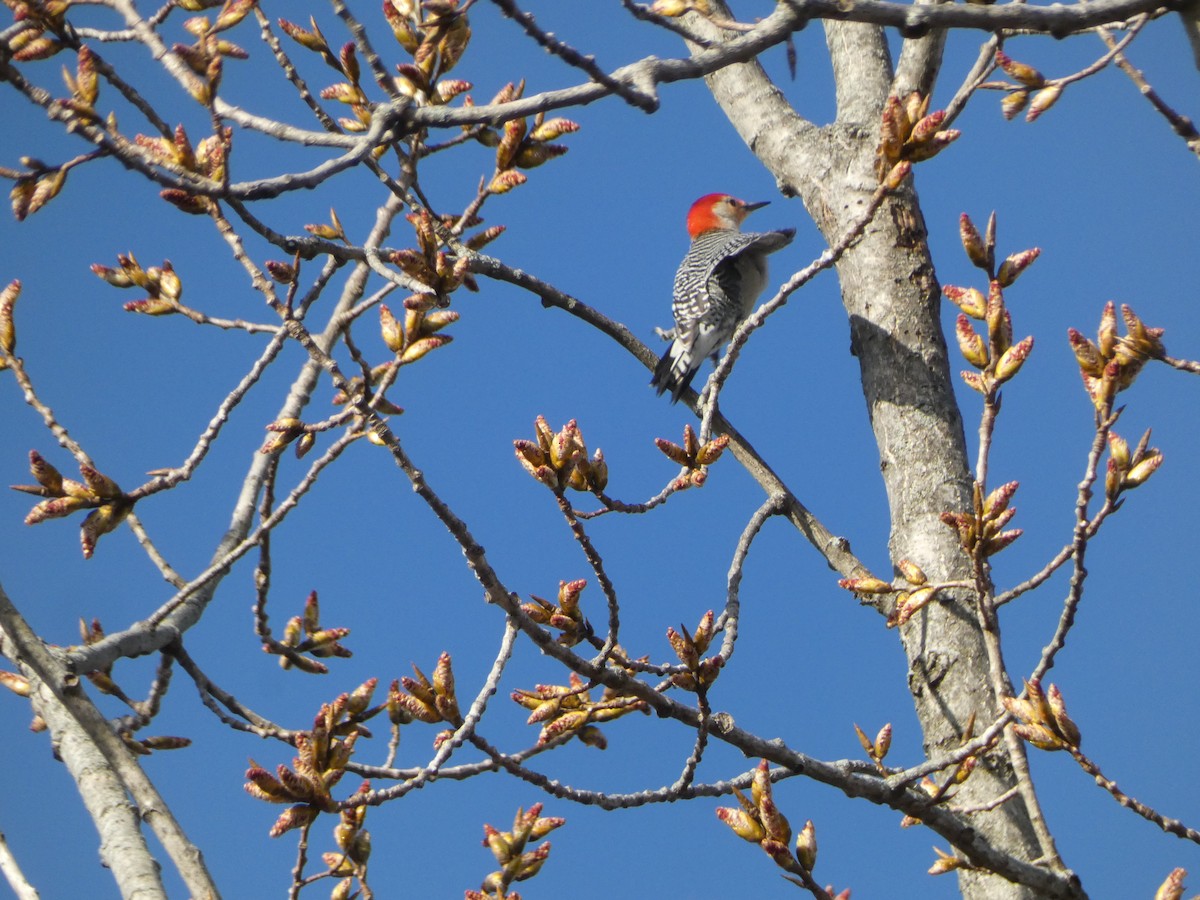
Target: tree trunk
[[892, 297]]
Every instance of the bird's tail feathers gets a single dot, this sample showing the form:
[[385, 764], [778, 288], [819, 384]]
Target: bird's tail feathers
[[673, 372]]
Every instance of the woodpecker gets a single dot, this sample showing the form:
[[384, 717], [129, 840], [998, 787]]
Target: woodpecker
[[718, 281]]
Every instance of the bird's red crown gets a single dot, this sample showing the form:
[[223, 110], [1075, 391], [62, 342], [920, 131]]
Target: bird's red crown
[[718, 211]]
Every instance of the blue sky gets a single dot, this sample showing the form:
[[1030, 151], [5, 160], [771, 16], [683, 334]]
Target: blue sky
[[1099, 183]]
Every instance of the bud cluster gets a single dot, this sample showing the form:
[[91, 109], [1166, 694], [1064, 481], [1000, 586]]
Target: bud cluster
[[436, 33], [426, 700], [433, 268], [565, 615], [410, 340], [1112, 363], [1042, 718], [690, 648], [1128, 470], [516, 863], [31, 43], [758, 820], [419, 333], [349, 92], [304, 634], [693, 456], [320, 763], [33, 190], [206, 56], [907, 602], [995, 356], [286, 431], [162, 284], [518, 145], [97, 492], [207, 159], [1029, 82], [569, 711], [560, 461], [981, 532], [84, 85], [909, 134]]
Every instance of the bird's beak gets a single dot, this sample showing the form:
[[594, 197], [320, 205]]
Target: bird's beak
[[751, 207]]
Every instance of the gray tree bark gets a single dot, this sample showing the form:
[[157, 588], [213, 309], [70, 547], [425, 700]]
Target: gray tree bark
[[891, 294]]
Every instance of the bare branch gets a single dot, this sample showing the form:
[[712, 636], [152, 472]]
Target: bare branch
[[1079, 542], [104, 769], [11, 870], [1166, 823], [728, 620], [1180, 124]]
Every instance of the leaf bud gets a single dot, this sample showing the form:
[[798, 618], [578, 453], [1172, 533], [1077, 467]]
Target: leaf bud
[[1025, 74], [1043, 100], [806, 846], [1013, 358], [911, 572], [867, 585], [1013, 103], [969, 300], [746, 827], [1015, 264], [972, 346]]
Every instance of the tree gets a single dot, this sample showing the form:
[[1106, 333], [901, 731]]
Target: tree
[[356, 303]]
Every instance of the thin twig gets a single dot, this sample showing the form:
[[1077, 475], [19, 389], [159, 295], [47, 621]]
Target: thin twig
[[728, 620], [1184, 365], [1166, 823], [1079, 544], [290, 73], [247, 720], [611, 504], [220, 418], [1180, 124], [56, 428], [165, 569], [386, 82], [596, 562], [572, 57], [682, 785]]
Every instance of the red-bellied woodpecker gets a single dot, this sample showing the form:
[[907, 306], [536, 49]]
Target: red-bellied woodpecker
[[718, 281]]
